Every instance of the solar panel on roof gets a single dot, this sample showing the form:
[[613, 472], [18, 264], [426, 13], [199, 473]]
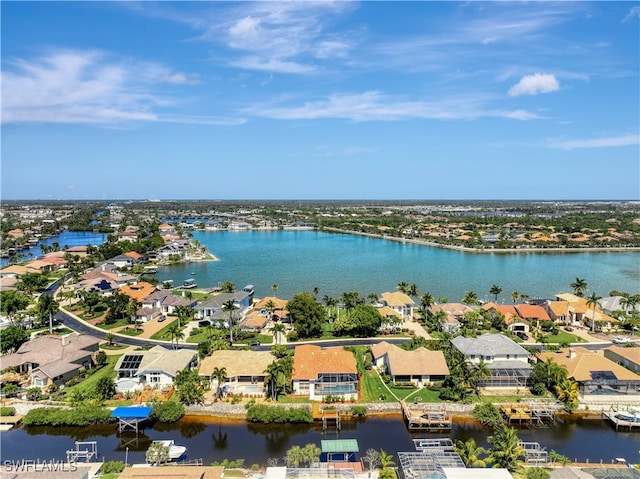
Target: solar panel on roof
[[131, 361]]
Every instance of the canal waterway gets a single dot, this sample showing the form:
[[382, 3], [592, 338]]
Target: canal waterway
[[64, 239], [303, 260], [212, 439]]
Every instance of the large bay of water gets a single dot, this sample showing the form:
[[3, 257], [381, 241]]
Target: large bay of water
[[213, 440], [302, 260]]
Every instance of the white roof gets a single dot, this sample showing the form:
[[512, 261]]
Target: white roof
[[476, 473]]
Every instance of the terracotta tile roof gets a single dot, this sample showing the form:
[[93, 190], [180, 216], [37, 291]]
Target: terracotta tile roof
[[237, 363], [397, 298], [310, 360], [559, 308], [501, 308], [138, 291], [630, 354], [254, 320], [532, 311], [279, 303], [174, 472], [419, 362], [386, 312], [585, 361], [133, 254]]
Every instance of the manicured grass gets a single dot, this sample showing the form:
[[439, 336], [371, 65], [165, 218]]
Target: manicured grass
[[200, 337], [113, 347], [563, 338], [163, 334], [128, 331], [118, 324], [293, 400], [194, 295], [88, 385], [372, 389]]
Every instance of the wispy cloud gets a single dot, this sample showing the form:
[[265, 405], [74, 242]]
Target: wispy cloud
[[376, 106], [634, 13], [535, 84], [609, 142], [87, 86]]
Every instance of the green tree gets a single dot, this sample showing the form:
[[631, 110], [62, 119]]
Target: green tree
[[278, 331], [579, 286], [47, 307], [514, 296], [101, 358], [364, 321], [426, 301], [176, 334], [221, 375], [470, 453], [13, 301], [105, 389], [470, 297], [403, 287], [505, 449], [32, 282], [227, 287], [184, 314], [592, 302], [495, 290], [230, 307], [157, 453], [307, 315], [275, 377], [12, 337], [537, 473], [386, 460], [567, 393], [189, 386]]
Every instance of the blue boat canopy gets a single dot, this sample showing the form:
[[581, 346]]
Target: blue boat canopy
[[132, 412]]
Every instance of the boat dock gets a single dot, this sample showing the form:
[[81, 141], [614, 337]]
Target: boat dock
[[613, 417], [7, 422], [328, 418], [530, 412], [429, 418], [86, 450]]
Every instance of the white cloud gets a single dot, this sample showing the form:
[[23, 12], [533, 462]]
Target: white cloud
[[535, 84], [376, 106], [272, 65], [610, 142], [633, 13], [74, 86]]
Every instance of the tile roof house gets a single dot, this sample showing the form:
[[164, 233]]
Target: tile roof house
[[558, 311], [627, 357], [245, 370], [597, 376], [507, 361], [53, 359], [419, 366], [138, 291], [400, 302], [156, 367], [512, 319], [319, 372], [455, 313], [580, 312]]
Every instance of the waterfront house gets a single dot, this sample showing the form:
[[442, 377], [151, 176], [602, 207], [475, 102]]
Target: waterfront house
[[278, 307], [138, 291], [52, 359], [454, 314], [599, 378], [532, 313], [319, 372], [581, 313], [391, 319], [627, 357], [122, 261], [245, 371], [515, 323], [612, 304], [208, 309], [166, 301], [399, 302], [558, 311], [156, 367], [253, 322], [102, 285], [508, 362], [419, 366]]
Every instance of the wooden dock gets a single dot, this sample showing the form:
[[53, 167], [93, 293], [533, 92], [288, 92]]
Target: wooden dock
[[529, 412], [421, 418], [10, 421], [612, 416], [329, 418]]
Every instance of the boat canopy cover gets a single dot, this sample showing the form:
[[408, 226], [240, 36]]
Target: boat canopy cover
[[340, 445], [132, 412]]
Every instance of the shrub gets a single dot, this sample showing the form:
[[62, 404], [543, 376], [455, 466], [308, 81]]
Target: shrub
[[111, 467], [278, 414], [539, 389], [10, 390], [557, 457], [51, 416], [169, 411], [488, 414], [34, 394], [7, 411], [359, 411]]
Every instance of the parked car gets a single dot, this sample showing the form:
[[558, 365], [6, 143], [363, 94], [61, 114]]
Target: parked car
[[255, 343], [162, 318], [568, 328], [204, 323], [620, 340], [522, 335]]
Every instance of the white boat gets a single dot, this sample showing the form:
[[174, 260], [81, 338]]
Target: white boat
[[174, 451], [632, 415]]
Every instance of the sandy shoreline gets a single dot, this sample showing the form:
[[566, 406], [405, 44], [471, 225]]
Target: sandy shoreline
[[465, 249]]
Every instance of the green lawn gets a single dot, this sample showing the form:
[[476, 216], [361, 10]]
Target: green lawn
[[563, 338], [163, 334], [129, 331], [88, 385], [119, 323], [194, 295]]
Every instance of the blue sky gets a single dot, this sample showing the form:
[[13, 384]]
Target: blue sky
[[320, 100]]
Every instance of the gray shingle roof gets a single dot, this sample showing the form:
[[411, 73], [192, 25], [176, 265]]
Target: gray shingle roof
[[489, 345]]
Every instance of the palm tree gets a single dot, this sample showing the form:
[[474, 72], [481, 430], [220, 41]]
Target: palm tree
[[412, 290], [373, 298], [221, 375], [426, 301], [47, 308], [386, 460], [349, 300], [274, 287], [592, 301], [272, 378], [229, 306], [514, 296], [470, 453], [495, 290], [567, 392], [579, 286], [175, 333], [109, 337], [184, 314], [629, 303], [403, 287], [479, 372], [470, 297], [505, 449], [278, 329]]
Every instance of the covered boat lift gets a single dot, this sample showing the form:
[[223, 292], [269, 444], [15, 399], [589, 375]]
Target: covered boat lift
[[131, 416]]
